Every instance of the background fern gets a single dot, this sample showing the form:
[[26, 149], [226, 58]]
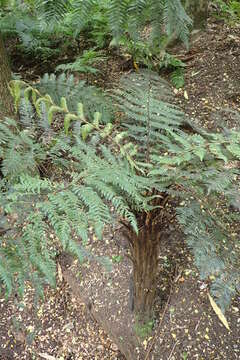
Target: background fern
[[166, 16], [52, 10]]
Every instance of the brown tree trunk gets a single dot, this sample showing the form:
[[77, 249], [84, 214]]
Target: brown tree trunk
[[198, 11], [144, 251], [6, 101]]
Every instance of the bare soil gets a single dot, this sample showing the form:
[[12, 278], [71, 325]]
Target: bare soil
[[212, 77], [61, 325]]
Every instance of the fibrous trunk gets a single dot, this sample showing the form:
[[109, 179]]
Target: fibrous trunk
[[6, 101], [198, 11], [144, 251]]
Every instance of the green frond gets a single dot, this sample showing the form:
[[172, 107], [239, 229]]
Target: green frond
[[5, 275], [146, 100], [117, 12], [50, 212], [81, 10], [20, 153], [137, 6], [176, 20], [52, 10], [216, 252], [64, 86]]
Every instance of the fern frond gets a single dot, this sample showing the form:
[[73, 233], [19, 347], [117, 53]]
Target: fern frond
[[170, 17], [146, 99], [117, 12], [64, 86], [19, 152], [52, 10], [216, 252], [177, 21], [80, 15], [50, 213]]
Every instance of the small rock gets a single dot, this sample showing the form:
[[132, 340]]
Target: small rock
[[100, 347], [114, 347]]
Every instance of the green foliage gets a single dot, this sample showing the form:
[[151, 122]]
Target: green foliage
[[177, 66], [214, 247], [147, 100], [196, 164], [4, 3], [142, 52], [189, 163], [177, 78], [166, 17], [228, 10], [65, 86], [117, 13], [117, 258], [81, 11], [154, 57], [143, 330], [171, 16], [156, 150], [19, 152], [169, 61], [36, 37], [84, 63], [43, 24], [48, 211], [52, 10]]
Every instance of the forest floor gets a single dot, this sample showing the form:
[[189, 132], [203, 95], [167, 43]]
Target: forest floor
[[61, 328]]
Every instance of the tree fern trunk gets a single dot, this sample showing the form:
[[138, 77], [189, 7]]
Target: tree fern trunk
[[145, 249], [198, 11], [6, 101]]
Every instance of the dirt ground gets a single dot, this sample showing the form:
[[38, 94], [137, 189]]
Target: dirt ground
[[212, 78], [186, 327]]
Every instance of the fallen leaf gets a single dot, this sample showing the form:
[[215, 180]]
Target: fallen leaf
[[145, 343], [46, 356], [59, 270], [185, 94], [218, 312], [135, 66]]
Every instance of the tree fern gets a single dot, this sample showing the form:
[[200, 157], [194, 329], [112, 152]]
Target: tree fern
[[189, 163], [156, 151]]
